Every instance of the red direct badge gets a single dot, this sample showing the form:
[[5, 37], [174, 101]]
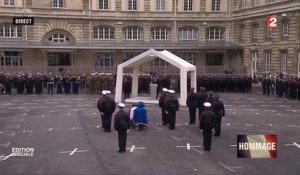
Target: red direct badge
[[271, 21]]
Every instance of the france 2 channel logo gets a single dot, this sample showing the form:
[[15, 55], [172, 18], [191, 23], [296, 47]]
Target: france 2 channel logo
[[272, 21]]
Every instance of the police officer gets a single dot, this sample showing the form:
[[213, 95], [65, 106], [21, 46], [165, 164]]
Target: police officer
[[207, 123], [192, 104], [107, 107], [202, 96], [121, 125], [161, 103], [172, 105], [219, 110]]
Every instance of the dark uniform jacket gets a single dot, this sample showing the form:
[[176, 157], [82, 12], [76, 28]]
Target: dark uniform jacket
[[218, 108], [207, 119], [117, 123], [192, 100]]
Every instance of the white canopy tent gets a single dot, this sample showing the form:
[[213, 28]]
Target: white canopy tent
[[150, 55]]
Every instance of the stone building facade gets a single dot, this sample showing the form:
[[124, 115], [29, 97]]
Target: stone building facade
[[96, 35]]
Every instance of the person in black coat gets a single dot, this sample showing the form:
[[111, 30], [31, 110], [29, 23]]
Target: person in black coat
[[192, 104], [161, 103], [207, 124], [219, 110], [172, 106], [121, 125], [107, 107]]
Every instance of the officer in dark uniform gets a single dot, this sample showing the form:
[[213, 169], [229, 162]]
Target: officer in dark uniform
[[192, 104], [172, 106], [59, 85], [161, 103], [219, 110], [107, 107], [121, 125], [202, 96], [207, 124]]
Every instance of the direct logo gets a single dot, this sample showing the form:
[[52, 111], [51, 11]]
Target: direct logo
[[257, 146]]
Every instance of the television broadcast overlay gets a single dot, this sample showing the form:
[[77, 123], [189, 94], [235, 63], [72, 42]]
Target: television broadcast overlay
[[257, 146]]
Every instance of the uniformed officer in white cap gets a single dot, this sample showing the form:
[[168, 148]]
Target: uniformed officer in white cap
[[121, 125], [207, 124], [172, 106], [161, 103]]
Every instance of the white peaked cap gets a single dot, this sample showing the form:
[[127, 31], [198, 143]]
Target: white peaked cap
[[171, 91], [104, 92], [207, 104], [122, 105], [165, 89], [108, 92]]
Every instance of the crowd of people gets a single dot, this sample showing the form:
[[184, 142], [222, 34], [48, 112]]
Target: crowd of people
[[64, 83], [282, 87]]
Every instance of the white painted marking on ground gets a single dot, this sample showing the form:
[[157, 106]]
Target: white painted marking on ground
[[69, 113], [50, 129], [228, 124], [188, 146], [6, 145], [73, 152], [94, 113], [294, 144], [293, 126], [256, 113], [233, 145], [134, 148], [98, 126], [227, 167], [11, 134], [175, 138], [5, 158], [198, 151]]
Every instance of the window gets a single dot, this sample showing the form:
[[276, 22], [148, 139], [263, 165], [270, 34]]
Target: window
[[271, 1], [10, 31], [285, 28], [214, 59], [58, 38], [59, 59], [103, 32], [188, 5], [283, 61], [160, 5], [242, 4], [132, 5], [133, 33], [242, 33], [215, 5], [103, 4], [189, 57], [215, 33], [104, 60], [256, 2], [11, 59], [268, 60], [58, 3], [9, 2], [160, 33], [254, 32], [129, 55], [269, 32], [188, 33]]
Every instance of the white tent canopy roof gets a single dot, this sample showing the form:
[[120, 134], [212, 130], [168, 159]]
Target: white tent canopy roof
[[164, 55], [147, 56]]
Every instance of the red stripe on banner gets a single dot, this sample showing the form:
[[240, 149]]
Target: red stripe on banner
[[272, 139]]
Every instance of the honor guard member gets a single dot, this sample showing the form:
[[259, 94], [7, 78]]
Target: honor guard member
[[121, 125], [219, 110], [100, 106], [161, 103], [50, 85], [202, 96], [172, 105], [192, 104], [207, 123], [107, 107]]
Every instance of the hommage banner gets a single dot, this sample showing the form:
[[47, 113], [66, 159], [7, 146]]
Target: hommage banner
[[257, 146]]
